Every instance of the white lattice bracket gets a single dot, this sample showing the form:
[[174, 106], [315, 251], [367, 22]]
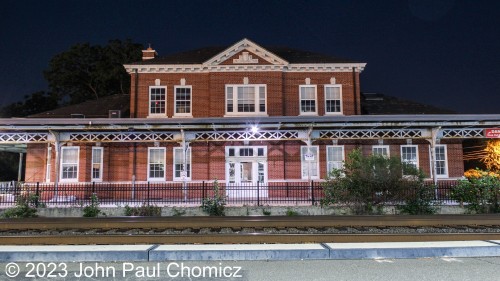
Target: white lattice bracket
[[244, 135], [7, 138], [372, 134], [462, 133], [119, 137]]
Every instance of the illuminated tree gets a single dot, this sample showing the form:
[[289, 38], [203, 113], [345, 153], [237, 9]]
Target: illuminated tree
[[492, 158]]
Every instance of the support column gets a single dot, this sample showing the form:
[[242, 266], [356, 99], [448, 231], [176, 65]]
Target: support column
[[433, 141], [20, 167], [57, 145]]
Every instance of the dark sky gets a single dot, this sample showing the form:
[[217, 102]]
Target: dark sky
[[441, 52]]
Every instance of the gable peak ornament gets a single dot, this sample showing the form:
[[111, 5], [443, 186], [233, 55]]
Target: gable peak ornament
[[245, 57]]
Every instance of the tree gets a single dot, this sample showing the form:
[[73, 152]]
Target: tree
[[89, 72], [35, 103], [492, 157]]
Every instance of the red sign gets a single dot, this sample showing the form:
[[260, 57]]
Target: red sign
[[492, 133]]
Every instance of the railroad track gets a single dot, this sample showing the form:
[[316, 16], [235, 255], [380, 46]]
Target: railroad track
[[207, 230]]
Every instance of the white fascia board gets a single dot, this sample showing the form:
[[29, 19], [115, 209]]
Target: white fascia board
[[333, 67]]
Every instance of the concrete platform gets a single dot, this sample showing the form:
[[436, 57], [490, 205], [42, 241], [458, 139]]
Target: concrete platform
[[239, 252], [75, 253], [410, 250]]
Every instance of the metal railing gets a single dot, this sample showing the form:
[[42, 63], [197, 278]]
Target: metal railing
[[192, 194]]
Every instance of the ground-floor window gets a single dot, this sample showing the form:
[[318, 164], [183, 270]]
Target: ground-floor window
[[97, 163], [181, 172], [441, 161], [334, 157], [381, 150], [309, 162], [69, 163], [156, 163], [409, 155]]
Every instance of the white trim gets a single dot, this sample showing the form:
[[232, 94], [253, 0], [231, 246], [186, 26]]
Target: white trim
[[149, 164], [339, 86], [188, 162], [416, 151], [156, 115], [190, 114], [315, 113], [77, 148], [303, 173], [386, 147], [101, 164], [235, 112], [328, 160]]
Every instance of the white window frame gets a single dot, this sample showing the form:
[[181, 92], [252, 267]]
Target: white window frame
[[304, 170], [234, 99], [416, 162], [445, 175], [190, 114], [77, 163], [331, 163], [188, 162], [340, 99], [163, 162], [155, 115], [315, 100], [101, 164], [386, 147], [48, 167]]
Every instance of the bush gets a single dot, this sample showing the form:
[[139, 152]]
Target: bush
[[481, 194], [92, 210], [291, 213], [26, 207], [144, 210], [215, 205], [419, 200]]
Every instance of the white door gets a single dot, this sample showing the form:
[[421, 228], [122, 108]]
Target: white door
[[245, 178]]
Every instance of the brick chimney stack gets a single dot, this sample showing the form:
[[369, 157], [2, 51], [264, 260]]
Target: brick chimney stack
[[149, 53]]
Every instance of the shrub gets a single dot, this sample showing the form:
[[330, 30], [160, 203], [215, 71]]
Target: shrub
[[92, 210], [266, 212], [419, 200], [144, 210], [480, 193], [26, 207], [215, 205], [291, 213]]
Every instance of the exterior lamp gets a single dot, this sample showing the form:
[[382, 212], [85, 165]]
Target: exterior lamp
[[254, 129]]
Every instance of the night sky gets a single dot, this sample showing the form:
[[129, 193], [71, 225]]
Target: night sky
[[442, 52]]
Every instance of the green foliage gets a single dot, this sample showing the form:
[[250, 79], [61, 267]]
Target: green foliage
[[89, 72], [291, 213], [367, 183], [26, 207], [37, 102], [215, 205], [92, 210], [418, 200], [481, 194], [266, 212], [144, 210], [178, 213]]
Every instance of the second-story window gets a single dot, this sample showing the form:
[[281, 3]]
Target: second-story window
[[333, 99], [308, 104], [157, 101], [182, 101], [245, 99]]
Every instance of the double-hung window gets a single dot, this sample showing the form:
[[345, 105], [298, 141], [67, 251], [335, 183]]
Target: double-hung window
[[334, 157], [183, 101], [97, 162], [157, 101], [181, 172], [156, 163], [409, 155], [441, 161], [309, 162], [381, 150], [246, 99], [69, 163], [308, 97], [333, 99]]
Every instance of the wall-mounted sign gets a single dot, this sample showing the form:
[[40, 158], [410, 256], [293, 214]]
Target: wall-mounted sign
[[309, 157], [492, 133]]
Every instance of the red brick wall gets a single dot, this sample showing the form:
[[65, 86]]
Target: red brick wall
[[36, 158]]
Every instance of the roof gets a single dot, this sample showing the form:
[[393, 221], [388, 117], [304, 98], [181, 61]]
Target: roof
[[90, 109], [380, 104]]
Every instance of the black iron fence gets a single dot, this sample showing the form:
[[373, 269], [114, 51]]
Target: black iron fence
[[276, 193]]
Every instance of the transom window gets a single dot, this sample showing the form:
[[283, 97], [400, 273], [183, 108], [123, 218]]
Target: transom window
[[309, 162], [97, 159], [157, 100], [308, 103], [409, 155], [179, 172], [246, 99], [156, 163], [334, 157], [183, 101], [69, 163], [333, 99]]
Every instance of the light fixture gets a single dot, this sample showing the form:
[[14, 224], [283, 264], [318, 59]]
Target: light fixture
[[254, 129]]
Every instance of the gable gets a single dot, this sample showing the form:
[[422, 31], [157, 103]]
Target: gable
[[245, 52]]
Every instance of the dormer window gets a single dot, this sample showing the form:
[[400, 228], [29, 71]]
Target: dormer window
[[244, 100]]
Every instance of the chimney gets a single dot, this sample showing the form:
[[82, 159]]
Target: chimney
[[149, 53]]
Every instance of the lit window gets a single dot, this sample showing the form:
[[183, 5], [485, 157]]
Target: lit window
[[409, 155], [441, 161], [178, 164], [183, 101], [333, 99], [334, 157], [69, 163], [156, 163], [97, 157], [308, 100], [245, 99], [381, 150], [309, 162], [157, 100]]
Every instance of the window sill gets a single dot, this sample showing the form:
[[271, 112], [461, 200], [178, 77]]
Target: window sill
[[333, 113], [182, 116], [246, 115], [309, 114], [157, 116]]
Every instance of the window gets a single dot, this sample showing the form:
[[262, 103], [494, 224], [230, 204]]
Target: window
[[157, 101], [69, 163], [333, 99], [441, 161], [48, 169], [97, 159], [308, 100], [156, 163], [409, 155], [178, 164], [334, 157], [309, 162], [381, 150], [182, 101], [245, 99]]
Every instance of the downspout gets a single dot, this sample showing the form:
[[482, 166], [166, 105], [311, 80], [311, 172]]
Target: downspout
[[134, 157], [355, 88]]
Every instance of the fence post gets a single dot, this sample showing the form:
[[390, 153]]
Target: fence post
[[37, 194], [312, 192], [287, 190], [149, 187], [93, 187], [202, 191], [258, 194]]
